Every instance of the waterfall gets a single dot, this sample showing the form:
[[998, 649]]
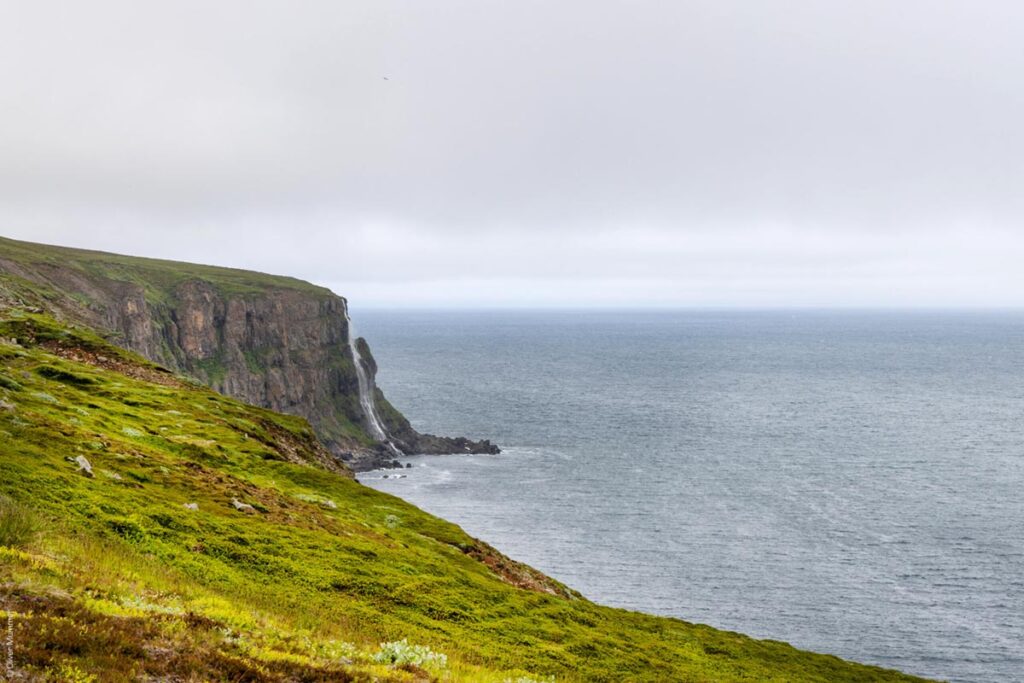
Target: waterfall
[[366, 392]]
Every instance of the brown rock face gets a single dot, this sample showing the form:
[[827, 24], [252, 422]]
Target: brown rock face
[[280, 344], [281, 349]]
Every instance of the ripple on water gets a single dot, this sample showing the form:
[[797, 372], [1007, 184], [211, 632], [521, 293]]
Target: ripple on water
[[849, 483]]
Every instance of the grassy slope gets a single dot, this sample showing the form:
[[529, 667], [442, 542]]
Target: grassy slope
[[157, 277], [124, 581]]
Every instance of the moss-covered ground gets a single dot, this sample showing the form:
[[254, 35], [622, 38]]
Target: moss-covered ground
[[157, 277], [210, 543]]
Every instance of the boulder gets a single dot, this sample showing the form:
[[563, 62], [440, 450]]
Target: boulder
[[84, 466]]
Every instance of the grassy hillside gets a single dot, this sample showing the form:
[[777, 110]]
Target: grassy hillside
[[212, 542], [157, 277]]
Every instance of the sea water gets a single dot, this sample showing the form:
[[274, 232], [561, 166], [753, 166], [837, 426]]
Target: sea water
[[848, 482]]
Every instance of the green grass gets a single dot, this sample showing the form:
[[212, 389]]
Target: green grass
[[124, 581], [211, 370], [18, 524], [157, 277]]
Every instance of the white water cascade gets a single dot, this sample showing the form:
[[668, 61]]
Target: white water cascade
[[366, 393]]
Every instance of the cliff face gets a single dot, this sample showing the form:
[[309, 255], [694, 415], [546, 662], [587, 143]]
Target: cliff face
[[272, 342], [401, 432]]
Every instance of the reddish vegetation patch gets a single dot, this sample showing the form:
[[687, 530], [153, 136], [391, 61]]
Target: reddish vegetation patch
[[303, 450], [154, 374], [53, 629], [266, 502], [419, 675], [516, 573]]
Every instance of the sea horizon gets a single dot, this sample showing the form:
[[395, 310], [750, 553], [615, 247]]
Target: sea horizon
[[825, 448]]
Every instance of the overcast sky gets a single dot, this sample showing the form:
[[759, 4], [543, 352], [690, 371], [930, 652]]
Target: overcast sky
[[573, 153]]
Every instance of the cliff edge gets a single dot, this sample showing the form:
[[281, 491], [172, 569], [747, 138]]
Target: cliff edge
[[274, 342]]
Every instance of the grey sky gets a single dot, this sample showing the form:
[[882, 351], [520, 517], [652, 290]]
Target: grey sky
[[709, 153]]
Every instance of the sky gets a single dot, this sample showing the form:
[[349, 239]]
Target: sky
[[486, 153]]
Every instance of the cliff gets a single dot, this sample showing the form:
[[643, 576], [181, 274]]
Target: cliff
[[274, 342]]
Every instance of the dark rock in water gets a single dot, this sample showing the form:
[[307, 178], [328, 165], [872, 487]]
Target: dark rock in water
[[428, 444], [408, 465], [403, 436]]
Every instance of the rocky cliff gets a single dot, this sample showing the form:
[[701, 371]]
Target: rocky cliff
[[270, 341]]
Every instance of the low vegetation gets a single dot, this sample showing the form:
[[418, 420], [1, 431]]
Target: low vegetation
[[157, 277], [18, 524], [206, 540]]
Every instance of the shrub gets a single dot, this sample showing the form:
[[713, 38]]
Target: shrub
[[401, 652], [128, 529], [64, 376], [18, 525], [69, 673]]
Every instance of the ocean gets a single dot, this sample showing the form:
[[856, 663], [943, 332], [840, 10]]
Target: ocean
[[848, 482]]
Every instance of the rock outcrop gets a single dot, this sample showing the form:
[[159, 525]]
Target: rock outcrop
[[270, 341], [401, 432]]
